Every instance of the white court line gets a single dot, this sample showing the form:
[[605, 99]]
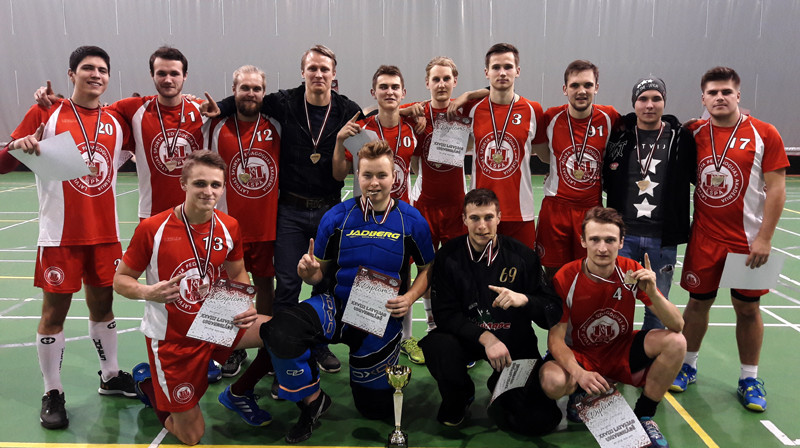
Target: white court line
[[17, 250], [788, 231], [68, 318], [159, 438], [17, 261], [77, 338], [19, 213], [18, 305], [19, 223], [18, 188], [783, 438], [788, 254], [780, 294], [795, 327]]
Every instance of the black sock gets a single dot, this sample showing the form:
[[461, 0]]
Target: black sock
[[645, 407]]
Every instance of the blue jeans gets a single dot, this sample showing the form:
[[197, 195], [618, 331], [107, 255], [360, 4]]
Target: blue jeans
[[295, 226], [662, 261]]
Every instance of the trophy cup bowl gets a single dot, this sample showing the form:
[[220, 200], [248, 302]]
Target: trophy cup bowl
[[398, 377]]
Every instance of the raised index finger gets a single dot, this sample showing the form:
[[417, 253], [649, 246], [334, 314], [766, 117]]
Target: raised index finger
[[647, 262], [49, 90], [311, 247], [210, 100]]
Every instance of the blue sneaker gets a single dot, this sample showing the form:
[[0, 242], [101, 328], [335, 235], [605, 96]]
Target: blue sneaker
[[651, 428], [141, 372], [572, 408], [471, 364], [686, 376], [752, 394], [246, 407], [214, 372]]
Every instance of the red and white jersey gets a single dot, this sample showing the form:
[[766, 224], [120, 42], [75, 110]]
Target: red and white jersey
[[506, 170], [579, 184], [402, 141], [161, 249], [598, 313], [80, 211], [251, 193], [730, 208], [437, 185], [159, 171]]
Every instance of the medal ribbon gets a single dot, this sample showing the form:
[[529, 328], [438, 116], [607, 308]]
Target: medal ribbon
[[619, 273], [718, 161], [315, 141], [245, 158], [579, 154], [644, 168], [489, 252], [498, 141], [170, 146], [202, 267], [366, 204], [399, 134], [90, 146]]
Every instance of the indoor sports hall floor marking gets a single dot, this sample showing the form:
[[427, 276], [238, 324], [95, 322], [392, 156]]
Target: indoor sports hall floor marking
[[691, 421]]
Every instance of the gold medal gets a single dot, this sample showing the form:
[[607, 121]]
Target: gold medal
[[643, 184], [171, 164], [315, 157], [629, 280], [93, 171], [578, 174], [244, 177], [202, 290], [717, 179], [498, 157]]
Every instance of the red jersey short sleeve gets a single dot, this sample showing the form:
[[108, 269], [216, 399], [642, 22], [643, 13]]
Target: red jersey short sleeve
[[403, 142], [575, 177], [505, 169], [161, 248], [159, 157], [729, 201], [251, 193], [80, 211]]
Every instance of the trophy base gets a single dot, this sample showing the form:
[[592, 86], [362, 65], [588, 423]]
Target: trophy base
[[397, 439]]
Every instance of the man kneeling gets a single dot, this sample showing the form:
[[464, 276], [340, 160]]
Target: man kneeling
[[486, 289], [600, 293]]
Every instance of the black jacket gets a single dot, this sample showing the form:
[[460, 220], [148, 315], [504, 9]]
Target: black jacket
[[462, 300], [298, 174], [681, 171]]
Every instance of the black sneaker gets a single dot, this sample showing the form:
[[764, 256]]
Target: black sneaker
[[53, 415], [450, 416], [326, 360], [273, 391], [309, 414], [122, 384], [233, 365]]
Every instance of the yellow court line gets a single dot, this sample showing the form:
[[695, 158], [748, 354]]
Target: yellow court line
[[11, 277], [790, 210], [691, 421]]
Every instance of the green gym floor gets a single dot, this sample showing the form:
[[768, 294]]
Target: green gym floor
[[708, 414]]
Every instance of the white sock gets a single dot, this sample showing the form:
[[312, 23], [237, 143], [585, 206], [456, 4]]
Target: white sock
[[50, 348], [407, 325], [748, 371], [426, 303], [104, 337], [691, 359]]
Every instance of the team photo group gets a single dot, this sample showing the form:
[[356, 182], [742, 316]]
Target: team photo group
[[247, 190]]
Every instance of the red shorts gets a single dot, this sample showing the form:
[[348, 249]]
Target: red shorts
[[446, 223], [524, 231], [558, 236], [258, 258], [703, 264], [180, 370], [616, 365], [60, 269]]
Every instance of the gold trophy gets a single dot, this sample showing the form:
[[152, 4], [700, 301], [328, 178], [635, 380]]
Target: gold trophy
[[398, 377]]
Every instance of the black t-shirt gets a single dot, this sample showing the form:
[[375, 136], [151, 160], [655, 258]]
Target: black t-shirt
[[645, 194]]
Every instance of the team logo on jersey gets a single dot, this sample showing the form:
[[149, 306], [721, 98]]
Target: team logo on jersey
[[715, 190], [185, 144], [584, 175], [426, 147], [400, 185], [539, 249], [183, 393], [691, 279], [373, 234], [54, 276], [261, 174], [102, 168], [193, 289], [603, 327], [499, 163]]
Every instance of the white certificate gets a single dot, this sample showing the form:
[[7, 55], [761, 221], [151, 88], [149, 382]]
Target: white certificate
[[366, 306], [355, 142], [737, 275], [513, 376], [225, 300], [449, 140], [60, 159], [612, 422]]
